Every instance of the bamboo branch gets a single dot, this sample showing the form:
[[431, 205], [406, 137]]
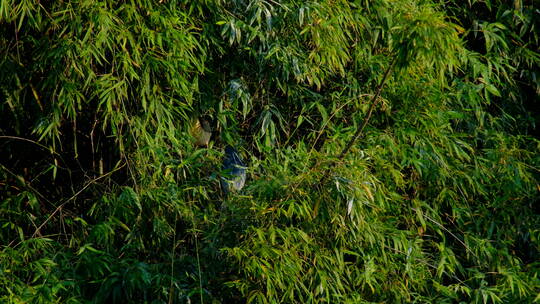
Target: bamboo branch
[[59, 208], [359, 132]]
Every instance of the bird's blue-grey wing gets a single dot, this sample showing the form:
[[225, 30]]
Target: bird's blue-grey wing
[[236, 170]]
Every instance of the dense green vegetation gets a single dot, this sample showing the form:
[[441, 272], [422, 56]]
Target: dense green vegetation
[[392, 149]]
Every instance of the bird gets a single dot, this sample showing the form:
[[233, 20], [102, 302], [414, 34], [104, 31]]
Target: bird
[[235, 171], [202, 131]]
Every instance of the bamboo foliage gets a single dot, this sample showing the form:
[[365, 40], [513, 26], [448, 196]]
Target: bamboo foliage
[[391, 145]]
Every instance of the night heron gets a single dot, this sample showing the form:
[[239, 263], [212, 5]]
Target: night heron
[[235, 171], [201, 129]]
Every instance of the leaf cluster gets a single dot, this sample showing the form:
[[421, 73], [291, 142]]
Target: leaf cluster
[[104, 197]]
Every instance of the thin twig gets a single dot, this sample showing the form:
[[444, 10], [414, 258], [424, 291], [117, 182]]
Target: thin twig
[[74, 196], [171, 290], [428, 264], [25, 183], [321, 131], [28, 140], [357, 134], [374, 102], [360, 130], [444, 228], [279, 4]]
